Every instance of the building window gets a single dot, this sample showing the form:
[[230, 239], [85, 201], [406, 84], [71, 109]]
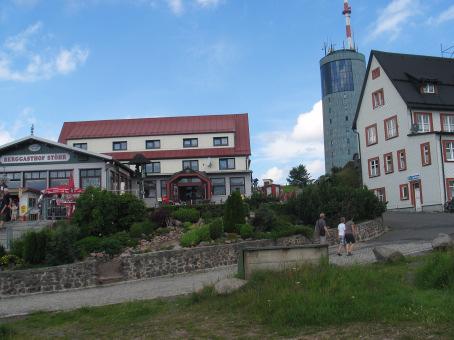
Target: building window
[[153, 168], [388, 163], [403, 188], [402, 160], [218, 186], [11, 179], [346, 118], [425, 154], [450, 188], [237, 184], [149, 189], [448, 147], [428, 88], [163, 188], [60, 177], [226, 163], [371, 135], [381, 194], [375, 73], [153, 144], [190, 142], [374, 167], [337, 76], [35, 180], [391, 128], [424, 121], [82, 146], [447, 123], [378, 98], [191, 164], [117, 146], [90, 178], [221, 141]]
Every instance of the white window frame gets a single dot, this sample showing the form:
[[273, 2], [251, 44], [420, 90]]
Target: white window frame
[[449, 151], [423, 126], [374, 167], [372, 137], [448, 123], [391, 128], [428, 88]]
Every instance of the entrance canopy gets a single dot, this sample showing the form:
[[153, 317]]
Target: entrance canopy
[[189, 185]]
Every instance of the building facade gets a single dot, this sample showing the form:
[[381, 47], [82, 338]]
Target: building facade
[[197, 158], [405, 125], [342, 75]]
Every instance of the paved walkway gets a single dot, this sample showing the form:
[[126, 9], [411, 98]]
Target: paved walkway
[[165, 286]]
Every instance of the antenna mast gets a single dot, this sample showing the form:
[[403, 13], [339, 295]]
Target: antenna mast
[[347, 13]]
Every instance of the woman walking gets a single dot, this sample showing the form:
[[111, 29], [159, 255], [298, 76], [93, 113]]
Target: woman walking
[[350, 231]]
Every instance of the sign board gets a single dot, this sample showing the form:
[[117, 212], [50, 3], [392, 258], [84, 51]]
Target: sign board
[[41, 158], [414, 178]]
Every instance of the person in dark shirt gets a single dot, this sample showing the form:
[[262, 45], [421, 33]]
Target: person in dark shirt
[[5, 208], [321, 230]]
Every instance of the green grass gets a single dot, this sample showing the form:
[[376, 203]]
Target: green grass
[[325, 301]]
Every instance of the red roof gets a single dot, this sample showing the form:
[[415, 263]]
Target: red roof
[[236, 123]]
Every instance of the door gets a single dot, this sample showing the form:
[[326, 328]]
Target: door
[[417, 195]]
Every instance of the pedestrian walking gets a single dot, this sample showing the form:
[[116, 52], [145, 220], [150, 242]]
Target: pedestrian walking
[[321, 230], [350, 231], [5, 208], [341, 236]]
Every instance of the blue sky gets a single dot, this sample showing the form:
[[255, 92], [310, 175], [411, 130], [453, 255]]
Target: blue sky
[[66, 60]]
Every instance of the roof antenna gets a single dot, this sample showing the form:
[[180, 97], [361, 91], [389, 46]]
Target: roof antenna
[[347, 13], [32, 130]]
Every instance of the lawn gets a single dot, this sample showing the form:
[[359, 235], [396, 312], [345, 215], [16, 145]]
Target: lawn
[[373, 301]]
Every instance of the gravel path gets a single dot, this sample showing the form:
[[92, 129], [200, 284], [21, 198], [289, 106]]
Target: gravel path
[[165, 286]]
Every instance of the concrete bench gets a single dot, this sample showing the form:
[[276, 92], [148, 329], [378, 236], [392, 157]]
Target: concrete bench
[[278, 258]]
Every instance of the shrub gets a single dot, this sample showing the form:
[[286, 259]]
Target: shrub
[[61, 248], [99, 212], [187, 225], [111, 246], [124, 239], [140, 229], [10, 260], [186, 215], [92, 244], [437, 272], [265, 218], [195, 236], [246, 231], [17, 247], [233, 212], [160, 216], [2, 251], [216, 228], [162, 231], [35, 246]]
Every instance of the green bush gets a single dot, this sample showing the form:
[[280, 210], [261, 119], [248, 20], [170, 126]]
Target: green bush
[[234, 212], [195, 236], [141, 229], [437, 272], [162, 231], [265, 218], [246, 231], [17, 247], [91, 244], [187, 225], [99, 212], [35, 246], [216, 228], [2, 251], [124, 238], [6, 332], [186, 215], [61, 248], [10, 260]]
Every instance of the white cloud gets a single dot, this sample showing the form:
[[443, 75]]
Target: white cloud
[[18, 127], [208, 3], [446, 15], [26, 3], [21, 59], [301, 144], [392, 19], [176, 6], [276, 174]]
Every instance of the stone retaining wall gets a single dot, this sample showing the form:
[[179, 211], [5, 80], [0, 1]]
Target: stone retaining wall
[[140, 266], [50, 279], [365, 231]]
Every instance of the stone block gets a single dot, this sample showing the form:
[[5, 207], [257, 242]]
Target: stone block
[[228, 286], [387, 254], [443, 242]]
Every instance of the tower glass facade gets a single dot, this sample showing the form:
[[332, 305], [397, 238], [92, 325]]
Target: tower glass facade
[[342, 75]]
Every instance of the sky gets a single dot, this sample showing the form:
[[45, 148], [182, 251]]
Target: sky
[[69, 60]]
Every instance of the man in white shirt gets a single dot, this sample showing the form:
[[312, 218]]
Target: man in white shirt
[[341, 233]]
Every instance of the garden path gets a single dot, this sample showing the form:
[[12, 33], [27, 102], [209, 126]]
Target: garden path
[[166, 286]]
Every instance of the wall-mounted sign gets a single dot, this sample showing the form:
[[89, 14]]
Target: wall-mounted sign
[[34, 147], [41, 158], [414, 178]]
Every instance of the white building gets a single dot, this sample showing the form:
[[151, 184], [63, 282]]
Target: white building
[[197, 158], [405, 125]]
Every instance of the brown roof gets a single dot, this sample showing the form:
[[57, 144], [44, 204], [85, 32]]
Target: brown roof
[[236, 123]]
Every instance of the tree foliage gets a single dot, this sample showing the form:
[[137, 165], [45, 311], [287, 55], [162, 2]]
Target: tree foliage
[[234, 212], [299, 176]]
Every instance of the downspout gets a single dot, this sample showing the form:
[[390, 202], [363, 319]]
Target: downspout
[[443, 172]]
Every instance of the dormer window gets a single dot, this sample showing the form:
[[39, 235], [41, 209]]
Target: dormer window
[[428, 88]]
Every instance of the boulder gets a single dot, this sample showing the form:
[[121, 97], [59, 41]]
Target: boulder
[[227, 286], [387, 254], [442, 242]]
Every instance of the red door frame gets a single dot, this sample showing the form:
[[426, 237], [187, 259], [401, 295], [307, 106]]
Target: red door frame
[[412, 190]]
